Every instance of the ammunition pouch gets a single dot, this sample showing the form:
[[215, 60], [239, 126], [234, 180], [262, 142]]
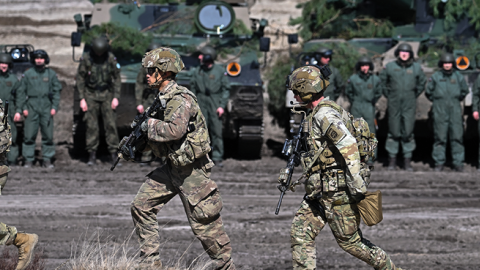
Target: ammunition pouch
[[333, 180], [196, 144]]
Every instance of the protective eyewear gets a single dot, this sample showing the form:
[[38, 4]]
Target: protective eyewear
[[151, 70]]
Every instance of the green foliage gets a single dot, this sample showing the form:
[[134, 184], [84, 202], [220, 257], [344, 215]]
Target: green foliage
[[126, 42], [276, 89], [141, 1], [324, 19], [453, 11], [180, 22], [240, 28], [431, 56]]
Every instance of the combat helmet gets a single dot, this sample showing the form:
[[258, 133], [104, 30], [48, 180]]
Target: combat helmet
[[404, 47], [209, 53], [39, 54], [364, 60], [164, 59], [100, 45], [6, 58], [446, 58], [308, 83]]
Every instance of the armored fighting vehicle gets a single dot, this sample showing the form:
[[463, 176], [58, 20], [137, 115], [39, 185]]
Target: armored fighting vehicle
[[186, 27]]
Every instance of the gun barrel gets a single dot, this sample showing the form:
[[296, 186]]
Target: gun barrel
[[279, 203], [115, 164]]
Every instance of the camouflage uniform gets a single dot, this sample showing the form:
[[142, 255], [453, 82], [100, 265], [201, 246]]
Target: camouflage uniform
[[185, 173], [334, 181], [7, 233], [144, 96], [39, 93], [212, 89], [9, 85], [99, 82]]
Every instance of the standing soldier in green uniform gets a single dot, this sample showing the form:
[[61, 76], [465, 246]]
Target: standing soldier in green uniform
[[25, 242], [98, 83], [476, 109], [179, 133], [337, 180], [363, 90], [9, 85], [212, 87], [39, 97], [324, 56], [446, 89], [144, 96], [403, 81]]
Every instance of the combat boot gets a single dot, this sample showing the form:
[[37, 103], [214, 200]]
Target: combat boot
[[392, 163], [218, 163], [407, 165], [92, 159], [458, 168], [438, 168], [25, 242]]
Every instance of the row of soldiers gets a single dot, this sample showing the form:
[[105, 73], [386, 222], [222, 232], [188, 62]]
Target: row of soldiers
[[36, 96], [401, 82]]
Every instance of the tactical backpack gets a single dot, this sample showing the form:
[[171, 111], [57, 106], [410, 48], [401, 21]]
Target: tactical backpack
[[358, 127]]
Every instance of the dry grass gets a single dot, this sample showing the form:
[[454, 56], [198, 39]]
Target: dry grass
[[9, 259], [103, 253]]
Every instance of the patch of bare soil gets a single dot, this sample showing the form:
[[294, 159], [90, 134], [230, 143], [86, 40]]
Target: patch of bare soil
[[431, 220]]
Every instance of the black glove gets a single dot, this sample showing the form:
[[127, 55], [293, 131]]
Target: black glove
[[358, 197]]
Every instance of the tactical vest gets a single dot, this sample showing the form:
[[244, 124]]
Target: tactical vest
[[5, 133], [324, 159], [99, 76], [196, 142]]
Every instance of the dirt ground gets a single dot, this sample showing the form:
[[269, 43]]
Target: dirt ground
[[431, 220]]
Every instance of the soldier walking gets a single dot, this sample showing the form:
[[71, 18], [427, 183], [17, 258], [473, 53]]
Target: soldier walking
[[25, 242], [98, 82], [334, 190], [324, 56], [446, 89], [179, 133], [39, 98], [212, 88], [403, 81], [363, 90], [9, 85], [144, 96]]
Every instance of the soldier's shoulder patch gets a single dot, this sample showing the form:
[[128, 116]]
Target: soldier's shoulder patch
[[334, 133], [348, 81], [430, 79], [225, 73], [118, 65]]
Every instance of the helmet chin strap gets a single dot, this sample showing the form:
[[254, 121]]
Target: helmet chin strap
[[157, 82]]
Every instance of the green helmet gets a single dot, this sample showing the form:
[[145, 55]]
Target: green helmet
[[163, 58], [209, 50], [6, 58], [364, 60], [446, 58], [404, 47], [100, 45], [307, 82]]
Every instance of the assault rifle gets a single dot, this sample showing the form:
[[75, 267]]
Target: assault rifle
[[292, 149], [137, 139]]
